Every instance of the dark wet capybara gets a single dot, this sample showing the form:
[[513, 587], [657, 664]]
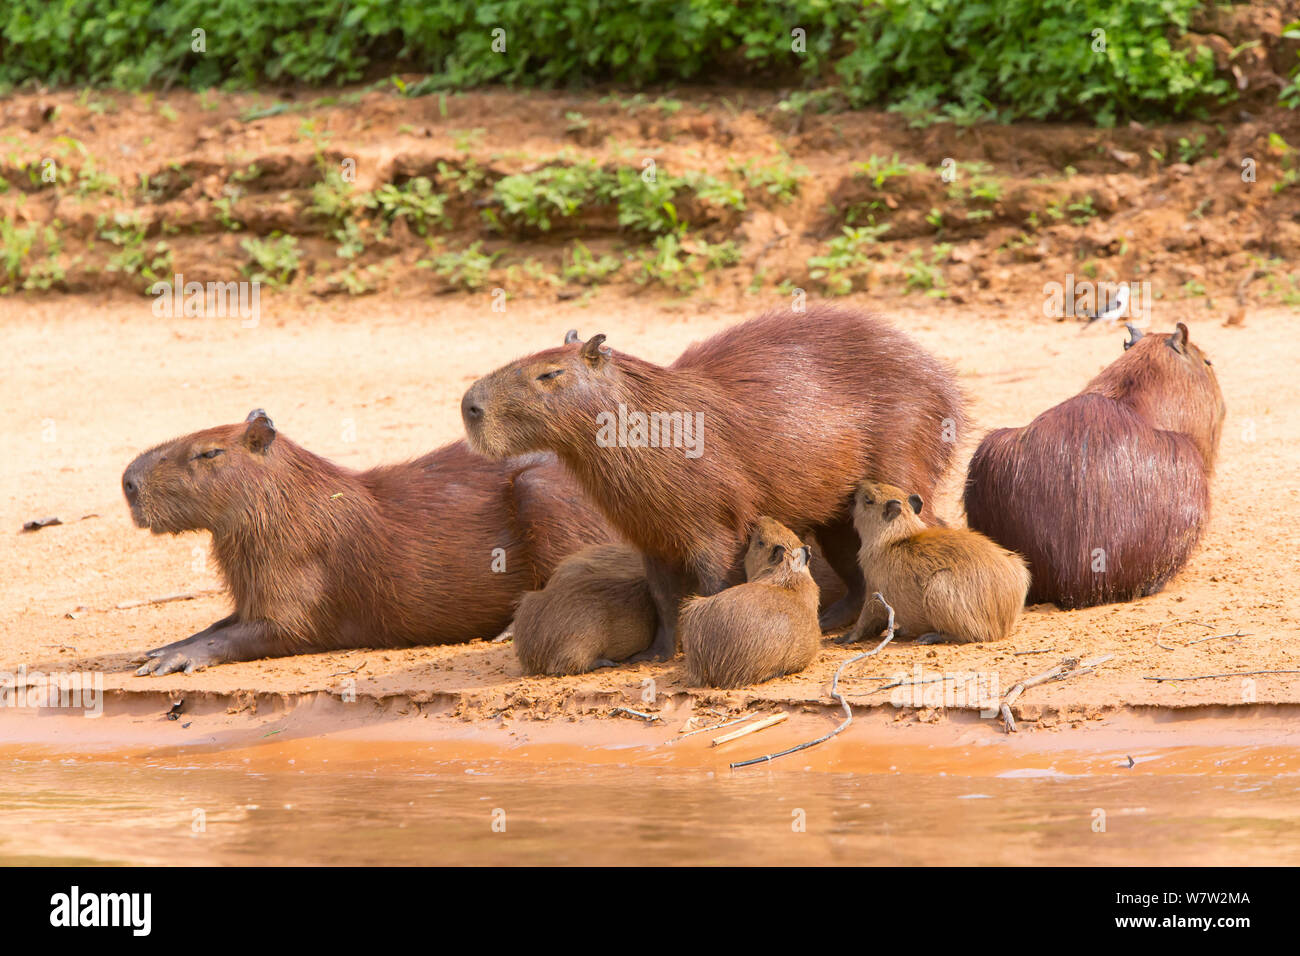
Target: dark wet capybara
[[595, 610], [764, 628], [781, 415], [945, 585], [319, 557], [1107, 494]]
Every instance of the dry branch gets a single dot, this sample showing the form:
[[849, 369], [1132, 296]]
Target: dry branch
[[835, 693]]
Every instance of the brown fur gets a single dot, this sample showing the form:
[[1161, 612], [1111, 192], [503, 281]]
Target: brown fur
[[320, 557], [762, 629], [795, 410], [595, 610], [946, 585], [1118, 474]]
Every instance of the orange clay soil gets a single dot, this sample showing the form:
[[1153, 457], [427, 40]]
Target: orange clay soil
[[89, 384]]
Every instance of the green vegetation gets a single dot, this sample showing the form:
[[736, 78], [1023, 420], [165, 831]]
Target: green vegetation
[[935, 61], [846, 262], [274, 260]]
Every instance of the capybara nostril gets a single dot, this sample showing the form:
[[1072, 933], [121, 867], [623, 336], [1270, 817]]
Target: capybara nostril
[[470, 410], [130, 488]]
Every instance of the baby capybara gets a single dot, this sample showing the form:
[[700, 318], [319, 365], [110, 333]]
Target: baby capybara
[[946, 585], [319, 557], [594, 611], [1107, 494], [761, 629], [781, 415]]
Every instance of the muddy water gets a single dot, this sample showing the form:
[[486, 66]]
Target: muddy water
[[416, 805]]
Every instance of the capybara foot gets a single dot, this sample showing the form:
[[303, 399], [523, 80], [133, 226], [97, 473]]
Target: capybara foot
[[189, 655], [663, 648], [938, 637], [841, 614], [603, 662]]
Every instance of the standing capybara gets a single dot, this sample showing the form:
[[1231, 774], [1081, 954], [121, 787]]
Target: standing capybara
[[594, 611], [319, 557], [1107, 494], [781, 415], [946, 585], [761, 629]]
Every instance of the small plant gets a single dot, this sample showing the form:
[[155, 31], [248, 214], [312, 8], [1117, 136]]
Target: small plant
[[554, 192], [846, 259], [584, 268], [1190, 150], [1084, 211], [922, 276], [780, 179], [274, 261], [880, 170], [669, 264], [415, 201], [466, 268]]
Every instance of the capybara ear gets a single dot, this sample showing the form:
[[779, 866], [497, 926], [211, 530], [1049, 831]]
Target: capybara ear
[[571, 337], [893, 508], [595, 351], [799, 560], [257, 413], [778, 552], [916, 503], [260, 432], [1178, 341], [1134, 333]]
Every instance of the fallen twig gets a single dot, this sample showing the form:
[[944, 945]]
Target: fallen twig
[[1202, 640], [1069, 667], [635, 713], [1046, 650], [725, 723], [769, 721], [835, 693], [1212, 676], [345, 673], [165, 599]]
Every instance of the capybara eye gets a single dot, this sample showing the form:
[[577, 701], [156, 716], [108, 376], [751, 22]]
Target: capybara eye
[[1208, 362], [547, 376], [210, 453]]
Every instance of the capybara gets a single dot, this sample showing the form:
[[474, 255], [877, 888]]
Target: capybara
[[1107, 494], [319, 557], [761, 629], [594, 611], [946, 585], [781, 415]]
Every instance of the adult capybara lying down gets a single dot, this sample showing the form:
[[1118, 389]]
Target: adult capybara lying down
[[761, 629], [319, 557], [1107, 494], [945, 585], [780, 415], [595, 610]]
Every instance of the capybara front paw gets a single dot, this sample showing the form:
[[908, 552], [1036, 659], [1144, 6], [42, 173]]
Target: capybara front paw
[[840, 615], [189, 655]]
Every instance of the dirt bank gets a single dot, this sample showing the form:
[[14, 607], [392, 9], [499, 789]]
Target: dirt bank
[[91, 384]]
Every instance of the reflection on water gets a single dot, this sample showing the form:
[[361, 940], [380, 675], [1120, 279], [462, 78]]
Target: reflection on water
[[133, 810]]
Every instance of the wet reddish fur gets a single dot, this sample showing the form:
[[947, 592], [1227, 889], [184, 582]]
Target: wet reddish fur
[[797, 408], [1124, 466], [394, 556]]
